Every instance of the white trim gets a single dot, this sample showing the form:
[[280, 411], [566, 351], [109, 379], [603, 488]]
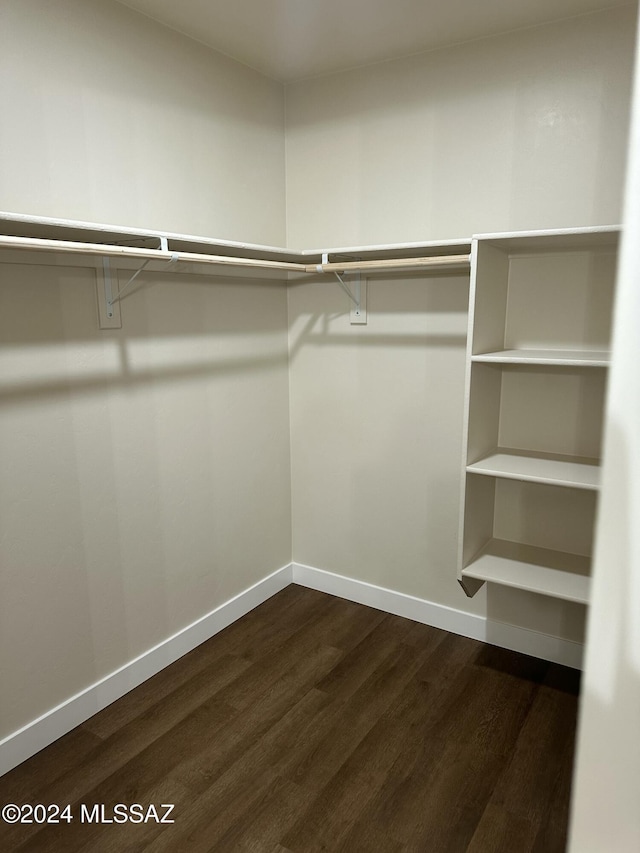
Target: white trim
[[33, 737], [36, 735], [501, 634]]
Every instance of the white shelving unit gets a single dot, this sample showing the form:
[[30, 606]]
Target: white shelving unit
[[538, 351]]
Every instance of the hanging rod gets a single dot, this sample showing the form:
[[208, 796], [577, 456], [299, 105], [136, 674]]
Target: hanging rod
[[436, 261], [164, 254], [103, 250]]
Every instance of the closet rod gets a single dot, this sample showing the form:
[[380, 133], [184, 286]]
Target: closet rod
[[102, 249], [106, 250], [455, 261]]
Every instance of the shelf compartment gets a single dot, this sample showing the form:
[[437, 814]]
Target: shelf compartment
[[528, 297], [548, 468], [553, 412], [539, 515], [560, 357], [534, 569]]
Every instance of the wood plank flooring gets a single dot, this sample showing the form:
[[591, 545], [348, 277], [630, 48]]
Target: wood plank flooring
[[316, 724]]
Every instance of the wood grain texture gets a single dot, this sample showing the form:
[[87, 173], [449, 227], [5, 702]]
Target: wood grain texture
[[317, 724]]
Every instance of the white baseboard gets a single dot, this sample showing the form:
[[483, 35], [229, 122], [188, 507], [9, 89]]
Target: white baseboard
[[57, 722], [501, 634], [33, 737]]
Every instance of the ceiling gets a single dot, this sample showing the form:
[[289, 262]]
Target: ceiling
[[291, 39]]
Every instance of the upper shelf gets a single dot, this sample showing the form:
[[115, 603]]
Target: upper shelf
[[198, 254], [19, 225], [36, 234], [146, 255]]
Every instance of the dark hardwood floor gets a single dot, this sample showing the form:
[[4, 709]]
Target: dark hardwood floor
[[316, 724]]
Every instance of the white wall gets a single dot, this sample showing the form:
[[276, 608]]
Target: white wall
[[144, 473], [522, 131], [525, 130], [110, 117], [605, 814], [376, 424]]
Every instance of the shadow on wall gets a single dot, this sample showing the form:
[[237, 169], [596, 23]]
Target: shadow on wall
[[324, 312], [144, 472], [51, 345]]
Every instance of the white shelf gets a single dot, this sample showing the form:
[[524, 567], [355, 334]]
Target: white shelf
[[534, 569], [43, 227], [577, 472], [24, 234], [38, 227], [568, 358]]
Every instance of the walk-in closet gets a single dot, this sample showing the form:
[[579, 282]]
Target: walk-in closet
[[318, 425]]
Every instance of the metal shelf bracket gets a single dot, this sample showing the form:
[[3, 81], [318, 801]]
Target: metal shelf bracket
[[358, 296], [108, 311]]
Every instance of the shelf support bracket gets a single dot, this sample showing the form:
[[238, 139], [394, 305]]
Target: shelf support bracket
[[108, 308], [108, 289], [346, 289], [128, 284], [108, 313], [172, 260], [358, 296]]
